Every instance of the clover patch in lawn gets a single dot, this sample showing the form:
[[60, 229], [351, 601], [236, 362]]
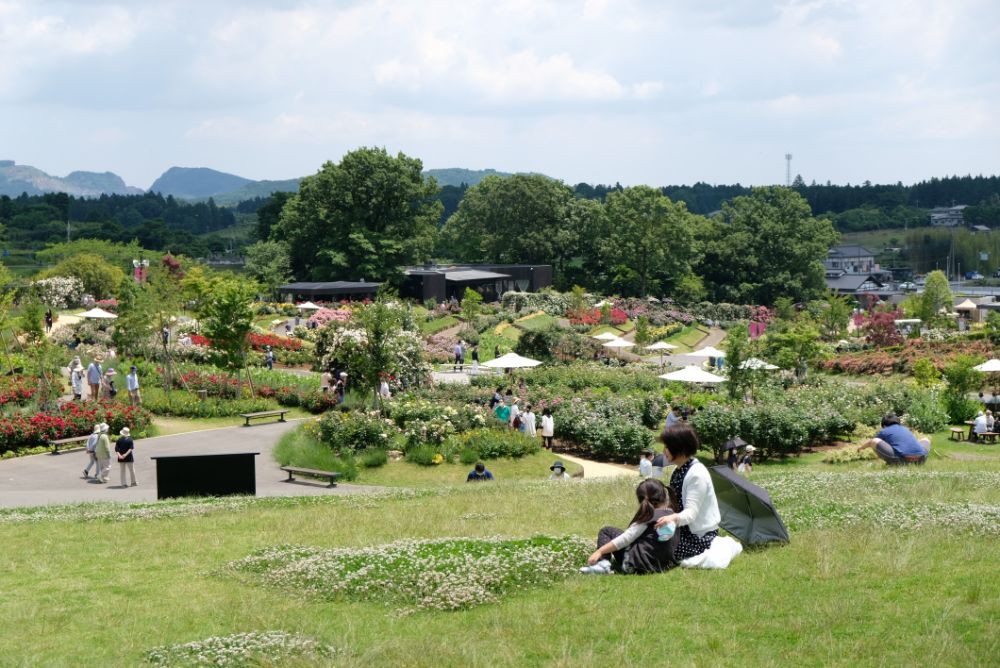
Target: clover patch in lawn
[[267, 648], [412, 575]]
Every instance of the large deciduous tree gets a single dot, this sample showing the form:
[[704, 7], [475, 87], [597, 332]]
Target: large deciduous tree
[[227, 320], [517, 219], [650, 241], [766, 245], [268, 263], [363, 217], [936, 295]]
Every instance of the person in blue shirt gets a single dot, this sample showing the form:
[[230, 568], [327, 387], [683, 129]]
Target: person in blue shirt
[[672, 418], [896, 444], [480, 472]]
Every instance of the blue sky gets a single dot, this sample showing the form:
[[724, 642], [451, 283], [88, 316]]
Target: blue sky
[[658, 92]]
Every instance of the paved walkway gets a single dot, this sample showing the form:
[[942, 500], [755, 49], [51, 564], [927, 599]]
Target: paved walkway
[[56, 479], [592, 470]]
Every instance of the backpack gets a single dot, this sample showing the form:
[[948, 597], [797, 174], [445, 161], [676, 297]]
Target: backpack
[[517, 422]]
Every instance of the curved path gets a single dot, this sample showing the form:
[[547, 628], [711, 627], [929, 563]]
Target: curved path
[[56, 479]]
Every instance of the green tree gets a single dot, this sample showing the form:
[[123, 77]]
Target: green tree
[[100, 278], [267, 262], [516, 219], [737, 346], [269, 214], [766, 245], [650, 244], [135, 324], [364, 217], [936, 295], [961, 378], [227, 320], [834, 314], [382, 323], [471, 304], [794, 348]]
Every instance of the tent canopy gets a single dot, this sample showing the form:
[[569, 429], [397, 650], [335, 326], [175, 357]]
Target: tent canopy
[[692, 374], [967, 305], [606, 336], [661, 345], [989, 366], [309, 306], [708, 351], [619, 343]]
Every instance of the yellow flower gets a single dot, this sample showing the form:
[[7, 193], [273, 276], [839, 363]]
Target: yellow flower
[[438, 459]]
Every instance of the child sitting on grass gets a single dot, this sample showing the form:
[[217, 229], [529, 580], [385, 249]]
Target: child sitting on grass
[[641, 548]]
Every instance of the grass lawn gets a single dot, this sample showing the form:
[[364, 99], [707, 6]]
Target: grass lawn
[[537, 322], [687, 338], [429, 327], [848, 591], [168, 426], [406, 474]]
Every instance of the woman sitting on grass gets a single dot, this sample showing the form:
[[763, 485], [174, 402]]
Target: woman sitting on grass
[[641, 548], [697, 511]]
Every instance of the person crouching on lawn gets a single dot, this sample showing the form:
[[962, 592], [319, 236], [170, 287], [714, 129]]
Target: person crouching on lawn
[[896, 444], [642, 548]]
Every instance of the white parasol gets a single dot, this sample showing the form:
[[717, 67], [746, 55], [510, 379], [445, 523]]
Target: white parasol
[[309, 306], [707, 351], [618, 343], [661, 345], [989, 366], [98, 313], [692, 374], [606, 336], [511, 361], [756, 364]]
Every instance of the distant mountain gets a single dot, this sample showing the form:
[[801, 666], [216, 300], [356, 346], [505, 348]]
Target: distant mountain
[[456, 176], [16, 179], [196, 182], [256, 189]]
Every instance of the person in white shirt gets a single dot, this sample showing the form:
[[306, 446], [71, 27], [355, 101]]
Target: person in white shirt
[[548, 428], [92, 452], [646, 464], [697, 516], [528, 420], [132, 385], [383, 389], [980, 426], [76, 378], [990, 421], [558, 472]]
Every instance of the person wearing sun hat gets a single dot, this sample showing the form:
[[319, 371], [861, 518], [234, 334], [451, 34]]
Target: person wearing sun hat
[[76, 378], [125, 447], [109, 383], [746, 461], [95, 373], [558, 471], [92, 453], [103, 453]]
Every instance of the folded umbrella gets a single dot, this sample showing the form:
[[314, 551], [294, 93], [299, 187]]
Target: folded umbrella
[[746, 509]]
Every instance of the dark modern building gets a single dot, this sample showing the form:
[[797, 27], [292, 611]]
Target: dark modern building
[[333, 291], [441, 283]]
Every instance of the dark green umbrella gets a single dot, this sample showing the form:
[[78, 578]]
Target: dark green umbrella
[[746, 509]]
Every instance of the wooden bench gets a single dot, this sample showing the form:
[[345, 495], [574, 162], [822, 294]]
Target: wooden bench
[[990, 436], [957, 434], [261, 414], [316, 473], [82, 440]]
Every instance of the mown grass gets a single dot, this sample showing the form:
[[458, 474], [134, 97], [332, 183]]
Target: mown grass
[[168, 426], [105, 591], [687, 338], [429, 327]]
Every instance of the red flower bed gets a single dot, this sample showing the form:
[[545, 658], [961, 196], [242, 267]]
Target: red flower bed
[[71, 419], [258, 341], [199, 340], [593, 316], [215, 384], [17, 390]]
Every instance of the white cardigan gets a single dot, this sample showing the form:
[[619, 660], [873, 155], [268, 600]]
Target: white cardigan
[[701, 508]]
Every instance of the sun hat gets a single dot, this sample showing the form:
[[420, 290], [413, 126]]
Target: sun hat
[[557, 465], [104, 427], [97, 428], [343, 374], [125, 431], [98, 358], [750, 448], [111, 372]]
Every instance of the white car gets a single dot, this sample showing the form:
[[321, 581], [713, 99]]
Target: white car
[[908, 286]]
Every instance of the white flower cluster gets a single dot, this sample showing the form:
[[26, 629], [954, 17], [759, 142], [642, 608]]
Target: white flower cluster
[[241, 649], [442, 574], [59, 291]]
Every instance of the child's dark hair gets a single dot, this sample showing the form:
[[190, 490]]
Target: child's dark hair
[[650, 493], [547, 411]]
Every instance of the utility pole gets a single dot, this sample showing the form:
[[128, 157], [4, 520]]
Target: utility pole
[[788, 170]]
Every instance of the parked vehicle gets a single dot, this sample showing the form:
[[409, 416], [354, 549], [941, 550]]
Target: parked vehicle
[[973, 276], [908, 286]]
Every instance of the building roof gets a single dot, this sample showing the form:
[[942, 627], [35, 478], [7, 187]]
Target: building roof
[[850, 282], [473, 275], [850, 251]]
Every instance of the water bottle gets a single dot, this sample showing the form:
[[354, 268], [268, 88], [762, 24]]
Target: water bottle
[[665, 532]]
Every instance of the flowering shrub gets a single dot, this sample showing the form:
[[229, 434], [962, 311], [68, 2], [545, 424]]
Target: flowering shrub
[[185, 404], [494, 443], [407, 409], [325, 316], [356, 431], [242, 649], [59, 291], [594, 316], [71, 419], [17, 390], [432, 431], [901, 360], [259, 341], [553, 303], [110, 305], [603, 429], [442, 574]]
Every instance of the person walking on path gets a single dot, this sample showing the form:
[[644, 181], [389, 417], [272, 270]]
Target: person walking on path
[[459, 357], [48, 321], [529, 423], [124, 448], [91, 452], [269, 358], [548, 428], [896, 444], [132, 385], [76, 378], [110, 390], [95, 374], [475, 360], [103, 452]]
